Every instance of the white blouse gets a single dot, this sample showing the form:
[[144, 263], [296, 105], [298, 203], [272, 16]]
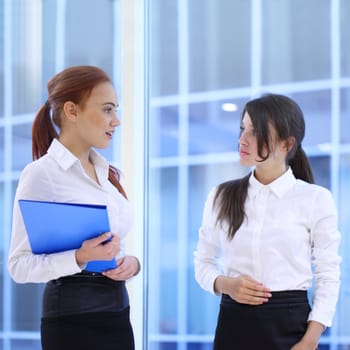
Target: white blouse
[[59, 176], [289, 237]]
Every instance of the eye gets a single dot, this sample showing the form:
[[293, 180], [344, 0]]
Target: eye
[[108, 110]]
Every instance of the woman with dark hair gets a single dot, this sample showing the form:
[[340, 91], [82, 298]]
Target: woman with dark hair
[[81, 309], [266, 236]]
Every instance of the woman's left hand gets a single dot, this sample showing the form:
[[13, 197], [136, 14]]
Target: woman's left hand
[[303, 346], [127, 267]]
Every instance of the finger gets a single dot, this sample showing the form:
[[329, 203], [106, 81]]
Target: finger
[[103, 238]]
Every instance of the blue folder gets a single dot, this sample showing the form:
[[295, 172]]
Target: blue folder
[[55, 227]]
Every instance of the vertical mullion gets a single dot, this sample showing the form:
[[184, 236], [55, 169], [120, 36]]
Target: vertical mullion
[[183, 78], [335, 123], [7, 295], [256, 44]]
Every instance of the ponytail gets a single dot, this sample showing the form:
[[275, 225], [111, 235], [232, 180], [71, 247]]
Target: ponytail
[[43, 132], [229, 199], [114, 177], [301, 166]]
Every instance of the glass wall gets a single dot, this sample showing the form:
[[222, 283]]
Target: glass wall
[[207, 58], [37, 39]]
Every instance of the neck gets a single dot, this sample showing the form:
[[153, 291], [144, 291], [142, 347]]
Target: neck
[[266, 177]]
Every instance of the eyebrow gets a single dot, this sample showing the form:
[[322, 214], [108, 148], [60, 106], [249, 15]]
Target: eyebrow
[[111, 103]]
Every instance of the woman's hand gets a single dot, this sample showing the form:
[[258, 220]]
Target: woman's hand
[[243, 289], [311, 337], [103, 247], [127, 267], [302, 345]]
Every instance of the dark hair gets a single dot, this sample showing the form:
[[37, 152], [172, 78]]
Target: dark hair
[[288, 120], [72, 84]]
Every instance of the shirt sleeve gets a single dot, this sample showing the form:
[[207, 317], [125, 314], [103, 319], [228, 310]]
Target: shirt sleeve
[[23, 265], [208, 251], [326, 261]]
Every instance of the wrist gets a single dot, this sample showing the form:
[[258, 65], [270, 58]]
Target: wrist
[[80, 258], [219, 285]]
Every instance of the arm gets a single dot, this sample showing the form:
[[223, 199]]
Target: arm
[[325, 239], [23, 265], [311, 337]]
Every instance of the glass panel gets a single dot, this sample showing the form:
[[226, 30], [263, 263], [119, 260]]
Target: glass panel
[[164, 132], [21, 146], [26, 316], [296, 40], [49, 22], [2, 60], [214, 126], [321, 168], [219, 44], [345, 37], [316, 106], [2, 253], [344, 116], [163, 250], [344, 215], [2, 148], [27, 344], [90, 42], [164, 47], [26, 55]]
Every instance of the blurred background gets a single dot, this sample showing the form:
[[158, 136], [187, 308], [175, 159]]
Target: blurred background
[[202, 60]]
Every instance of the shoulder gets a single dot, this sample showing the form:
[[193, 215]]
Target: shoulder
[[316, 195]]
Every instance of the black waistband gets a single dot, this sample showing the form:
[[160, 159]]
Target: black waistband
[[280, 297], [84, 293]]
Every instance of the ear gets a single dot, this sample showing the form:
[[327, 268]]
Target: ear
[[288, 144], [70, 110]]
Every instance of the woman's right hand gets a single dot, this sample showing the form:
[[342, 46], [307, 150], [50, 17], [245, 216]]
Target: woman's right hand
[[103, 247], [242, 289]]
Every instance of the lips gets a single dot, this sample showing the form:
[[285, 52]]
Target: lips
[[109, 133], [243, 153]]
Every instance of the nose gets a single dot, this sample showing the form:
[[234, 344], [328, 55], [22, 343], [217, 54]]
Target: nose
[[242, 139], [115, 121]]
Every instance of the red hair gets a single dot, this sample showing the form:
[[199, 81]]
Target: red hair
[[72, 84]]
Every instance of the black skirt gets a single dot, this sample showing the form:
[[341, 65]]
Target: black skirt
[[89, 312], [276, 325]]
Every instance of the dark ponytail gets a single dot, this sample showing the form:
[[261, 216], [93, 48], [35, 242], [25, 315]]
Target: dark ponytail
[[43, 132], [301, 166], [229, 199]]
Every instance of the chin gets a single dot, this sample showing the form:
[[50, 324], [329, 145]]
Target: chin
[[245, 162]]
